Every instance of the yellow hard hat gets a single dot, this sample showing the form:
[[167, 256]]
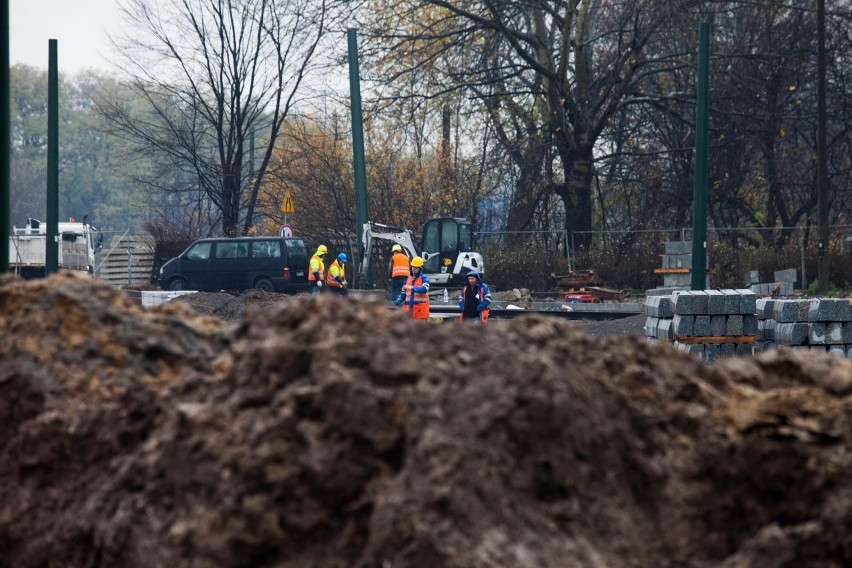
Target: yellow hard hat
[[417, 262], [322, 249], [395, 248]]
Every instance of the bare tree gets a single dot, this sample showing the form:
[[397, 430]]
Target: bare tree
[[550, 74], [212, 78]]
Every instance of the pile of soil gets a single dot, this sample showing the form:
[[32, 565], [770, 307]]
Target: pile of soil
[[321, 433]]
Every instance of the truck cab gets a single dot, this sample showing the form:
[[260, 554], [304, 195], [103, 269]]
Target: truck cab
[[77, 244]]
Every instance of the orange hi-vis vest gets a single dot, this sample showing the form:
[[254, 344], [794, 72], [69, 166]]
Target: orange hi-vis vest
[[400, 265], [421, 301], [318, 266], [340, 271]]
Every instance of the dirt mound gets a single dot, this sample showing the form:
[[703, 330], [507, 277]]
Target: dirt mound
[[229, 306], [320, 433]]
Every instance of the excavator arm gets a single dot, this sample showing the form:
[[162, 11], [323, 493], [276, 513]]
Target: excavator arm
[[373, 231]]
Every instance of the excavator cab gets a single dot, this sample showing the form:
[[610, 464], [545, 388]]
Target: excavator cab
[[446, 249]]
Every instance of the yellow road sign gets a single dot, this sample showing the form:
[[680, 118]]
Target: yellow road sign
[[287, 206]]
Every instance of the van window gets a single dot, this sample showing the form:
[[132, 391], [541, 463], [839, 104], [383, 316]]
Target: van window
[[231, 249], [200, 251], [266, 249], [296, 247]]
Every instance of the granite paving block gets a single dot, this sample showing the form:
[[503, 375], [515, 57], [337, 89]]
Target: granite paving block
[[728, 349], [718, 325], [699, 302], [847, 332], [732, 302], [702, 326], [682, 302], [804, 307], [830, 309], [715, 302], [816, 333], [786, 311], [678, 247], [834, 333], [751, 277], [651, 326], [711, 352], [677, 280], [658, 306], [745, 349], [749, 324], [734, 325], [682, 326], [837, 350], [748, 301], [819, 348], [761, 289], [664, 329], [761, 330], [760, 308], [795, 333], [649, 305], [788, 275]]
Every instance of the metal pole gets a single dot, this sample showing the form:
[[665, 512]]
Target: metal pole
[[822, 165], [5, 140], [360, 170], [699, 206], [51, 256]]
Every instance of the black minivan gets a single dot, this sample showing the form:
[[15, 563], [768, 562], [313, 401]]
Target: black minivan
[[272, 264]]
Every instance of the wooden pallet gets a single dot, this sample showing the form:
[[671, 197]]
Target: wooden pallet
[[127, 261], [716, 339], [672, 270]]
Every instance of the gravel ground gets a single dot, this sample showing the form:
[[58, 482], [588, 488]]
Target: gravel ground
[[231, 307], [631, 325]]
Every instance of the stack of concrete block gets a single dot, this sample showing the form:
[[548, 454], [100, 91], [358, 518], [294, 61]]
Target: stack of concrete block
[[714, 323], [678, 255], [765, 312], [677, 269], [658, 320], [782, 285], [817, 324]]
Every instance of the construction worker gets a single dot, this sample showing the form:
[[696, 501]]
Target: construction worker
[[335, 280], [398, 270], [316, 270], [415, 293], [475, 299]]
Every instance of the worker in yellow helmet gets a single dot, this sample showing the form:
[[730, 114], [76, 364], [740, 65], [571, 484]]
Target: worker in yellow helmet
[[316, 270], [398, 270], [415, 294]]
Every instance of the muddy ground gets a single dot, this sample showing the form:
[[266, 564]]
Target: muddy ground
[[233, 306], [321, 433]]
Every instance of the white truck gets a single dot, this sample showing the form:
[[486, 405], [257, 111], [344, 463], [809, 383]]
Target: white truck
[[77, 244], [446, 248]]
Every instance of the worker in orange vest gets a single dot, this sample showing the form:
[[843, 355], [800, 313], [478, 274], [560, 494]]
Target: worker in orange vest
[[475, 299], [316, 270], [415, 293], [335, 280], [398, 270]]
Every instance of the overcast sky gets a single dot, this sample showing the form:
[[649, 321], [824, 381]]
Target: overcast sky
[[80, 26]]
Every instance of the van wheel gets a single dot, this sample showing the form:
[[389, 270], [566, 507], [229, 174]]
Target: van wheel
[[264, 284], [177, 284]]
